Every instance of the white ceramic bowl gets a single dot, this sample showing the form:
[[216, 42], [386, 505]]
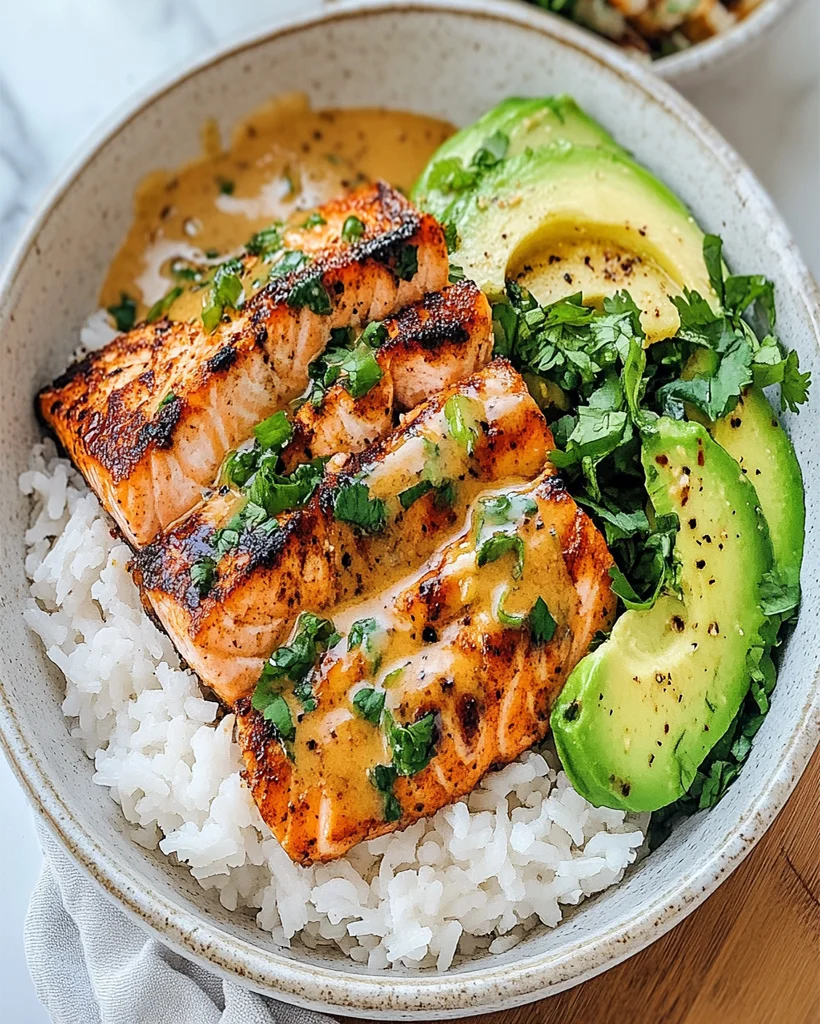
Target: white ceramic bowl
[[702, 60], [713, 55], [454, 63]]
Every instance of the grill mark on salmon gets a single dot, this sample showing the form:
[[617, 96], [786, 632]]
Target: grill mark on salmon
[[490, 688], [149, 418], [315, 560]]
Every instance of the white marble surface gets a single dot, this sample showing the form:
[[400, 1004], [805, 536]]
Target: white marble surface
[[67, 64]]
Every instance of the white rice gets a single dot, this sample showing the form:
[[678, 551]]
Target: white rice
[[478, 875]]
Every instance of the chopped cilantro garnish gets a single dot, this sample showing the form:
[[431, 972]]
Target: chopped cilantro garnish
[[274, 432], [277, 492], [542, 624], [125, 313], [594, 366], [369, 703], [293, 663], [203, 575], [383, 776], [450, 174], [292, 260], [170, 397], [226, 186], [360, 371], [265, 243], [277, 712], [352, 229], [360, 632], [407, 262], [393, 676], [491, 151], [462, 415], [412, 494], [225, 293], [497, 533], [374, 335], [312, 293], [412, 745], [353, 504], [315, 220], [161, 306]]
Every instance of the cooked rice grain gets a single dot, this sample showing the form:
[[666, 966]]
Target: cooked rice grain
[[476, 876]]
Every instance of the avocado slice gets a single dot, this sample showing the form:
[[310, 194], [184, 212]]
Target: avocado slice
[[639, 714], [527, 123], [568, 206], [752, 435]]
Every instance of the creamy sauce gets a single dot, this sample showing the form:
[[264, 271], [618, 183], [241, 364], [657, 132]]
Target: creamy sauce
[[404, 662], [283, 161]]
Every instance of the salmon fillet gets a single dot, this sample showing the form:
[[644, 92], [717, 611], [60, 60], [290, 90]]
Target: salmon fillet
[[315, 559], [149, 418], [477, 692], [428, 346]]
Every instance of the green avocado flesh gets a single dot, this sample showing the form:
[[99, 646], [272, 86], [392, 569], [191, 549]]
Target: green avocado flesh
[[752, 435], [639, 714], [527, 123], [594, 200]]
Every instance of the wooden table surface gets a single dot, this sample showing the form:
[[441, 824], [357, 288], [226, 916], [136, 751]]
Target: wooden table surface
[[749, 955]]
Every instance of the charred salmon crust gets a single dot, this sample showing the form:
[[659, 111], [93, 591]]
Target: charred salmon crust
[[315, 559], [149, 418], [428, 346], [486, 688]]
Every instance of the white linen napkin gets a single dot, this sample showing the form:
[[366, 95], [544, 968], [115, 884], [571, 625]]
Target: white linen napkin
[[92, 965]]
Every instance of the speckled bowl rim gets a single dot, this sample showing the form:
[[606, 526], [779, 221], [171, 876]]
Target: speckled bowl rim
[[486, 988]]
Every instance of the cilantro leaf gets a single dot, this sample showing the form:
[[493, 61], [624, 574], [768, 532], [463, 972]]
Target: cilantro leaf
[[274, 432], [361, 371], [382, 776], [713, 258], [794, 388], [225, 293], [353, 504], [310, 292], [314, 220], [779, 595], [742, 291], [412, 494], [203, 575], [267, 242], [497, 534], [412, 745], [542, 624], [277, 712], [352, 229], [293, 662], [292, 260], [277, 493], [462, 415], [369, 704], [161, 306], [491, 151], [124, 313], [407, 262]]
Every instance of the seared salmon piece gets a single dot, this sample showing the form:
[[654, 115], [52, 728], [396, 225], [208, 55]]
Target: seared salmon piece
[[149, 418], [428, 346], [458, 673], [376, 515]]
